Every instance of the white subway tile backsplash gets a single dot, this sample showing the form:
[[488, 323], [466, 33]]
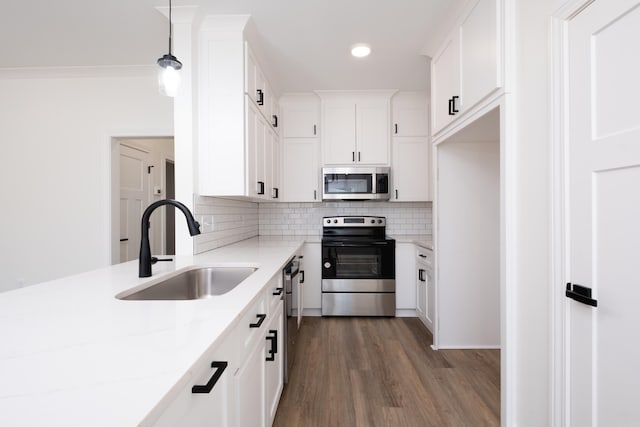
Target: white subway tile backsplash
[[306, 218]]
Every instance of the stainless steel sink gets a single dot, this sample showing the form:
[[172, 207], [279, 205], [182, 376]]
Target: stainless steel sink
[[192, 284]]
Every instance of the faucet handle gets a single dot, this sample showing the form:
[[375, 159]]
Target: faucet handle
[[156, 259]]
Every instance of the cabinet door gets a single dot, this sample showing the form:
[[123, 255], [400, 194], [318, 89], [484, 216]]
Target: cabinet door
[[300, 170], [274, 146], [430, 305], [421, 292], [191, 409], [300, 116], [312, 294], [262, 180], [339, 132], [251, 135], [411, 169], [445, 82], [405, 276], [372, 132], [410, 112], [250, 73], [478, 53], [274, 364], [250, 389]]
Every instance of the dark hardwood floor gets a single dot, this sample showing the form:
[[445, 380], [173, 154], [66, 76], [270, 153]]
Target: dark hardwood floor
[[371, 371]]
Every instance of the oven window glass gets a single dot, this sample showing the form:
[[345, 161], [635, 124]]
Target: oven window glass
[[354, 265], [348, 183], [358, 262]]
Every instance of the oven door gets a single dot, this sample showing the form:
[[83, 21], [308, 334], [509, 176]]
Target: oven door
[[372, 260]]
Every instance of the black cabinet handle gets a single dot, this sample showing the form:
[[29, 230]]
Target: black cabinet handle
[[261, 318], [422, 255], [396, 128], [314, 130], [274, 345], [301, 276], [220, 367], [260, 187], [274, 193], [124, 240], [275, 121], [353, 156], [358, 156], [421, 273], [581, 294], [396, 194], [260, 100], [451, 107], [315, 194], [278, 291], [453, 104]]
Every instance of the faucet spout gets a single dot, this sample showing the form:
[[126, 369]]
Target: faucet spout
[[145, 260]]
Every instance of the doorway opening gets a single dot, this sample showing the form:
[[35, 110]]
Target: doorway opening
[[142, 172]]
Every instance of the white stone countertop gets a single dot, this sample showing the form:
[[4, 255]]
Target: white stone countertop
[[71, 354], [424, 240]]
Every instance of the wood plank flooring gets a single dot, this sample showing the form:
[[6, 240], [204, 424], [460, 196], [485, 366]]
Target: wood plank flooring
[[371, 371]]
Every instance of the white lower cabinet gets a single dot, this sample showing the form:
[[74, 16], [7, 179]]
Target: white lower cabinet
[[425, 287], [239, 383], [405, 276], [312, 295]]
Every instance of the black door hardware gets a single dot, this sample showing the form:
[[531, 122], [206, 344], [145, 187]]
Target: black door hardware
[[451, 107], [124, 240], [453, 104], [274, 345], [278, 291], [421, 273], [260, 100], [220, 367], [275, 121], [581, 294], [260, 187], [396, 128], [261, 318], [301, 276]]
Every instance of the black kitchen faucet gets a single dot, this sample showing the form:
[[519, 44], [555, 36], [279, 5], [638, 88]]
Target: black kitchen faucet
[[145, 261]]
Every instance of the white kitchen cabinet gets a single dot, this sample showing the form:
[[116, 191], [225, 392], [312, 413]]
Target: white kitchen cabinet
[[312, 294], [274, 162], [410, 148], [410, 169], [207, 405], [300, 115], [425, 287], [410, 112], [405, 277], [468, 67], [274, 363], [355, 128], [301, 170], [235, 113], [249, 400]]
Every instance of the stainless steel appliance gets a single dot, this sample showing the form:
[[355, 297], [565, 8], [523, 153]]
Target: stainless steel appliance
[[358, 267], [355, 183], [290, 278]]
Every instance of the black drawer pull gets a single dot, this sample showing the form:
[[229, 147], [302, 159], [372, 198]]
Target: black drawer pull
[[421, 273], [220, 367], [260, 97], [260, 188], [581, 294], [301, 276], [278, 291], [124, 240], [451, 107], [261, 318], [274, 345]]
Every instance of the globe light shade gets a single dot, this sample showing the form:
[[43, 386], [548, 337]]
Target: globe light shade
[[168, 75]]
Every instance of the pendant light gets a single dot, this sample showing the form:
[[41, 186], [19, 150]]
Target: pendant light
[[168, 75]]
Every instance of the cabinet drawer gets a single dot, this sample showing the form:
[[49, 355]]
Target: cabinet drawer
[[274, 293], [252, 324], [424, 256]]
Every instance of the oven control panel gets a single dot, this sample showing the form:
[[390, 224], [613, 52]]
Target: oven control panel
[[354, 221]]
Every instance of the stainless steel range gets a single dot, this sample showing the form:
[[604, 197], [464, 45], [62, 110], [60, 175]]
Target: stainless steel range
[[358, 267]]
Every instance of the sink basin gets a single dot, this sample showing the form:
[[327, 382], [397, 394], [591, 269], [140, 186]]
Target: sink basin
[[192, 284]]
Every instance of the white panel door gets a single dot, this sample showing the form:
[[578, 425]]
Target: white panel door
[[339, 133], [300, 170], [604, 215], [134, 198], [372, 132]]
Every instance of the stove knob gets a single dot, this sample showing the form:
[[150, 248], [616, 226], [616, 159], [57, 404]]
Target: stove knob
[[373, 221], [335, 221], [327, 265], [379, 221], [328, 221]]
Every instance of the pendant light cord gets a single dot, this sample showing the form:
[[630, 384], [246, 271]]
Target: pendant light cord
[[170, 27]]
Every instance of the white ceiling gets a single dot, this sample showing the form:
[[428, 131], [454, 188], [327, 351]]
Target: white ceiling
[[307, 41]]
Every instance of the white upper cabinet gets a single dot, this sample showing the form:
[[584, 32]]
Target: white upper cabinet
[[236, 138], [410, 111], [467, 68], [355, 128], [300, 147], [410, 148]]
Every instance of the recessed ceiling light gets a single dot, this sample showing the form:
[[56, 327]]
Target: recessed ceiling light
[[360, 50]]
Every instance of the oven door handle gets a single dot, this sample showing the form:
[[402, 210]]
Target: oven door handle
[[355, 245]]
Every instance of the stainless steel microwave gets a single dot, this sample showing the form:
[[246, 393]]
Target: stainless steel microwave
[[354, 183]]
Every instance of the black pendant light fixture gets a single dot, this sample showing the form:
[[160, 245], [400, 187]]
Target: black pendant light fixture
[[168, 76]]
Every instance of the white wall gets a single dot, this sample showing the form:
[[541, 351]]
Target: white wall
[[468, 247], [55, 174]]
